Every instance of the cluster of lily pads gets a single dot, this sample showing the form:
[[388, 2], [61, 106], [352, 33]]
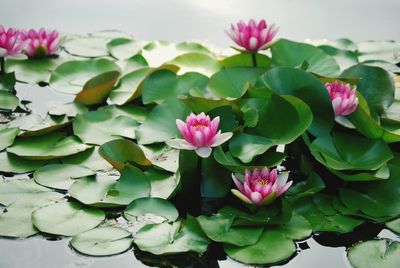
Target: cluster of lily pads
[[145, 154]]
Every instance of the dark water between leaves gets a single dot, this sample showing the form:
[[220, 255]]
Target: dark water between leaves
[[326, 250]]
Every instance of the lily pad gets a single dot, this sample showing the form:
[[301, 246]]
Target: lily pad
[[60, 176], [162, 156], [14, 164], [205, 64], [375, 253], [71, 77], [25, 190], [124, 48], [163, 184], [155, 206], [66, 218], [16, 222], [106, 191], [121, 152], [90, 47], [170, 238], [33, 71], [8, 101], [7, 137], [101, 126], [70, 109], [272, 247], [55, 145], [102, 241], [90, 159]]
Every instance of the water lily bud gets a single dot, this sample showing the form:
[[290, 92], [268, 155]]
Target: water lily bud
[[344, 100], [40, 43]]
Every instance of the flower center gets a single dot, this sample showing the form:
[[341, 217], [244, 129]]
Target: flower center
[[261, 182], [199, 126]]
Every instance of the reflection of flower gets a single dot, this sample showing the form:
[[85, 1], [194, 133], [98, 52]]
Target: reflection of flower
[[261, 187], [10, 42], [343, 98], [252, 36], [41, 43], [200, 134]]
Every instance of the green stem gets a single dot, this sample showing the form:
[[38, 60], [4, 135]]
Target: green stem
[[254, 58], [2, 70]]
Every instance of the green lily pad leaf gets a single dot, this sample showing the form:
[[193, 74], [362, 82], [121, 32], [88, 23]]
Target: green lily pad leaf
[[394, 225], [55, 145], [8, 101], [171, 238], [16, 222], [7, 81], [375, 253], [159, 85], [101, 126], [121, 152], [27, 191], [162, 156], [124, 48], [90, 159], [202, 63], [13, 164], [289, 81], [133, 63], [163, 184], [104, 191], [160, 52], [129, 87], [311, 186], [135, 112], [70, 109], [345, 151], [71, 77], [33, 71], [102, 241], [380, 174], [296, 228], [323, 217], [7, 137], [97, 89], [219, 228], [90, 47], [345, 58], [286, 53], [34, 125], [245, 59], [60, 176], [160, 124], [215, 179], [272, 247], [67, 218], [274, 109], [233, 83], [376, 199], [383, 50], [154, 206], [375, 85]]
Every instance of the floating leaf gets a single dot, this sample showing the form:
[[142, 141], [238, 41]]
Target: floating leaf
[[163, 184], [27, 191], [155, 206], [90, 47], [121, 152], [104, 191], [90, 159], [8, 101], [162, 156], [169, 238], [66, 218], [7, 137], [124, 48], [202, 63], [33, 71], [70, 109], [286, 53], [16, 222], [101, 126], [14, 164], [60, 176], [71, 77], [55, 145], [375, 253], [245, 59], [102, 241]]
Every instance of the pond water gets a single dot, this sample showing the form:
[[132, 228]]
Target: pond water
[[190, 20]]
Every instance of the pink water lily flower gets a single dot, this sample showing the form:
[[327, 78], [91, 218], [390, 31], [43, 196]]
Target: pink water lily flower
[[253, 36], [200, 134], [41, 43], [344, 99], [10, 42], [261, 187]]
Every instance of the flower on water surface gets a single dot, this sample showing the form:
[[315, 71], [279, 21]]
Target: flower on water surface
[[10, 42], [344, 100], [252, 36], [261, 187], [200, 134], [40, 43]]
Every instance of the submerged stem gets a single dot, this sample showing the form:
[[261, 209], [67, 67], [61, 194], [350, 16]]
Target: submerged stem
[[254, 58], [2, 70]]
